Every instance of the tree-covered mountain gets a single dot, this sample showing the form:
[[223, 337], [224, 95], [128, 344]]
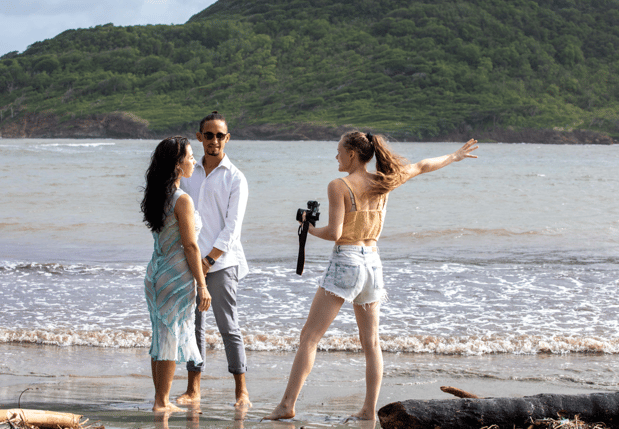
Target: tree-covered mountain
[[417, 70]]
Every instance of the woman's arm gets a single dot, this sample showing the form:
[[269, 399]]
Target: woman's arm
[[333, 231], [433, 164], [184, 213]]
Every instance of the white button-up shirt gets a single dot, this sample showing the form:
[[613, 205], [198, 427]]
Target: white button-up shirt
[[221, 199]]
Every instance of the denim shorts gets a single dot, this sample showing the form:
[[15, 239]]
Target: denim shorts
[[355, 273]]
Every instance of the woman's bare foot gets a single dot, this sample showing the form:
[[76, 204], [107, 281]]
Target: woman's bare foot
[[361, 423], [168, 408], [189, 397], [280, 412], [361, 415]]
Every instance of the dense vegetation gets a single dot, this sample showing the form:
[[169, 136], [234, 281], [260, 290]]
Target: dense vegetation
[[416, 68]]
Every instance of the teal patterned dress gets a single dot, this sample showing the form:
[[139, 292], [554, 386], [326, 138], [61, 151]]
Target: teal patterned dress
[[171, 294]]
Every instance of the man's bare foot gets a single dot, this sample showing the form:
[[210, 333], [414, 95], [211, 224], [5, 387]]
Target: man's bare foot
[[168, 408], [189, 398], [242, 401], [240, 413], [192, 394], [240, 391], [280, 412]]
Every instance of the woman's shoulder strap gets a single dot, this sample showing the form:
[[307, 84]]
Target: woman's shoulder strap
[[384, 200], [177, 194], [352, 194]]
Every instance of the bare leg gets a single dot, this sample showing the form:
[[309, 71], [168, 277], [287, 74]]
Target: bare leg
[[193, 388], [163, 376], [242, 395], [322, 313], [153, 368], [367, 320]]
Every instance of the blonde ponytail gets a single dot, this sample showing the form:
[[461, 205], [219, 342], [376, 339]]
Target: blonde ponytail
[[389, 165]]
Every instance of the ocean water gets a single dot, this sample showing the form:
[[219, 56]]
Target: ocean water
[[512, 257]]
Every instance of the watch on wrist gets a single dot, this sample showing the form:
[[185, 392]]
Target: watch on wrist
[[210, 260]]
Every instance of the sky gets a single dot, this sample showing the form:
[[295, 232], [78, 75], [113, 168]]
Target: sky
[[23, 22]]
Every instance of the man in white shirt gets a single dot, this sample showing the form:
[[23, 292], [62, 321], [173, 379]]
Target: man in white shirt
[[219, 192]]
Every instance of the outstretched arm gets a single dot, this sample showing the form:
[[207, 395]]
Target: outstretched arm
[[433, 164]]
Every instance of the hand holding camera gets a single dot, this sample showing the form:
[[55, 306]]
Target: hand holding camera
[[311, 215]]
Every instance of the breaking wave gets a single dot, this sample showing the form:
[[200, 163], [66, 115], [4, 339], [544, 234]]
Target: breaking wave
[[467, 345]]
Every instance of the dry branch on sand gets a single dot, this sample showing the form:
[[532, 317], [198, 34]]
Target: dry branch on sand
[[560, 423], [21, 418]]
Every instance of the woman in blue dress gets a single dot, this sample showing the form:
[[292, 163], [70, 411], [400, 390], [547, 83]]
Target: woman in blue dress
[[174, 269]]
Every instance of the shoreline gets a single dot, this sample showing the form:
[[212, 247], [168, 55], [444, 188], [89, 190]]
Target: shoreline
[[114, 386], [124, 126]]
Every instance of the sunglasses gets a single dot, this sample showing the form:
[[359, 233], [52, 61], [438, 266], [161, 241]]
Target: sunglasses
[[209, 135]]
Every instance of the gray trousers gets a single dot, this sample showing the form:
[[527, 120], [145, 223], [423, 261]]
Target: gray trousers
[[222, 287]]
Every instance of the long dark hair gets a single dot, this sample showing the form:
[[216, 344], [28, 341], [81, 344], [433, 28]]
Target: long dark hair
[[160, 177], [389, 165]]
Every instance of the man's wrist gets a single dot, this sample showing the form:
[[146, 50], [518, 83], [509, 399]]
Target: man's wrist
[[209, 260]]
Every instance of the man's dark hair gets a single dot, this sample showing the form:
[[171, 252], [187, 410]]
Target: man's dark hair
[[214, 116]]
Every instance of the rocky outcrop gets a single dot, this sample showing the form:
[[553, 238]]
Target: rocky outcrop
[[128, 126], [115, 125]]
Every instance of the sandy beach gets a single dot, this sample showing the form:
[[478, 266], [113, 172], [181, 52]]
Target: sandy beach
[[113, 385]]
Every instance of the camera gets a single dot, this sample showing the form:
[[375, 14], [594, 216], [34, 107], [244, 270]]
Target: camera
[[311, 214]]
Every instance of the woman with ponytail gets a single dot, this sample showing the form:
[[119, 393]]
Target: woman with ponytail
[[357, 207], [175, 268]]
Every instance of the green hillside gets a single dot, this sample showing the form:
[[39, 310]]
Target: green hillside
[[414, 69]]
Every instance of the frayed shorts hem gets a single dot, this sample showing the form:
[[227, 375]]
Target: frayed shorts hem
[[383, 298]]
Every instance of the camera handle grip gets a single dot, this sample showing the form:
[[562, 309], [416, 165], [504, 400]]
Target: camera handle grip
[[303, 228]]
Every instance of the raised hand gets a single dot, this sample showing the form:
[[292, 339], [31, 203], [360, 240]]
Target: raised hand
[[465, 151]]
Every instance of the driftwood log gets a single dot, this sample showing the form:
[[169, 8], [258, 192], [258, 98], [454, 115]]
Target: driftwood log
[[39, 418], [502, 412]]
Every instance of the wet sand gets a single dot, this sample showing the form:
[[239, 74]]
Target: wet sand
[[114, 386]]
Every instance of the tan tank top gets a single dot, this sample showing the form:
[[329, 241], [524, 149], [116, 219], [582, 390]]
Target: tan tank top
[[363, 224]]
